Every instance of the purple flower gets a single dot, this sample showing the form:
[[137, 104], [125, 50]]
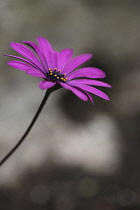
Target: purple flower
[[59, 68]]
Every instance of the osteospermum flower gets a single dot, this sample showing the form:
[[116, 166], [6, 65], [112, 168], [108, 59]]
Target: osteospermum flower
[[59, 68]]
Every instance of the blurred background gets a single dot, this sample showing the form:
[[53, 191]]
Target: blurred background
[[77, 157]]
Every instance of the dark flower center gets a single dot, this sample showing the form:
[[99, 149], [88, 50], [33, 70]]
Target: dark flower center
[[56, 76]]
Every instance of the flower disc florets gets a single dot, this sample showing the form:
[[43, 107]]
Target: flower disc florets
[[56, 76]]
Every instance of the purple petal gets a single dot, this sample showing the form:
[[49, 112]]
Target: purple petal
[[21, 49], [46, 84], [64, 57], [47, 51], [21, 66], [89, 96], [36, 48], [75, 62], [76, 91], [89, 72], [92, 90], [88, 82], [55, 59], [22, 59], [35, 73]]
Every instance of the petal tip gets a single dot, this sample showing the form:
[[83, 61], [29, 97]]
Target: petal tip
[[107, 98], [40, 38], [12, 44], [90, 55]]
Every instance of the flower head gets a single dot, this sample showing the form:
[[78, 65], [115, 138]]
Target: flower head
[[58, 68]]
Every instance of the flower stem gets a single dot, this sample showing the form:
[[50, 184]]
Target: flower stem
[[48, 92]]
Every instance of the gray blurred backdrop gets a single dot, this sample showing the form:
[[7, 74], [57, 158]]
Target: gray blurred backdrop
[[77, 157]]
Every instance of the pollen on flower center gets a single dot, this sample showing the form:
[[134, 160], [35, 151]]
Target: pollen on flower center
[[56, 76]]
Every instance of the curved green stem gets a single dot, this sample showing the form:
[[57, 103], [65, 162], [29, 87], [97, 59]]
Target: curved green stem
[[48, 92]]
